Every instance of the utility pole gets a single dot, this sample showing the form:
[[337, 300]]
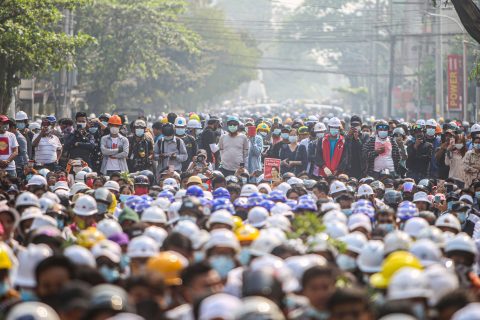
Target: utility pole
[[391, 75], [375, 62]]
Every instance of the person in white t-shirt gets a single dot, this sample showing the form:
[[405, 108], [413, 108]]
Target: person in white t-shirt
[[8, 147], [48, 147]]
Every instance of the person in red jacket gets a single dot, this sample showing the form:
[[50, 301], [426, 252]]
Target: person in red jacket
[[330, 155]]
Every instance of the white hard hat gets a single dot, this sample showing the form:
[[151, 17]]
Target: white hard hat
[[30, 213], [43, 172], [257, 217], [434, 234], [85, 206], [21, 115], [295, 181], [327, 206], [264, 244], [222, 238], [109, 249], [51, 196], [359, 220], [398, 316], [408, 283], [27, 199], [469, 312], [80, 256], [320, 242], [414, 226], [312, 118], [395, 241], [154, 214], [219, 306], [112, 185], [180, 194], [220, 216], [32, 310], [475, 128], [34, 125], [180, 122], [334, 215], [281, 208], [441, 281], [421, 197], [319, 127], [37, 180], [77, 187], [194, 124], [156, 233], [354, 241], [162, 203], [80, 176], [190, 230], [370, 258], [364, 190], [421, 122], [248, 189], [46, 204], [431, 123], [334, 122], [283, 187], [279, 268], [61, 185], [448, 220], [461, 242], [170, 182], [173, 211], [279, 221], [426, 251], [28, 260], [299, 264], [142, 247], [109, 227], [257, 307], [337, 186], [43, 221], [336, 229]]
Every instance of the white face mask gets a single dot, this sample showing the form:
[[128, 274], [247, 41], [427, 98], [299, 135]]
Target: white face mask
[[114, 130], [346, 263], [458, 146], [320, 135]]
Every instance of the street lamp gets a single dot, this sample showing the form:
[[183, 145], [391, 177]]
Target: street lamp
[[464, 53]]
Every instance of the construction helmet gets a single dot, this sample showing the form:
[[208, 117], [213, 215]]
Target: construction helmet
[[5, 261], [89, 237], [194, 116], [247, 233], [115, 120], [169, 264], [27, 199], [263, 126], [85, 206], [408, 283], [32, 310], [392, 264], [237, 222]]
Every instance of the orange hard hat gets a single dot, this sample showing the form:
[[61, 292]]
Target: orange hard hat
[[116, 120]]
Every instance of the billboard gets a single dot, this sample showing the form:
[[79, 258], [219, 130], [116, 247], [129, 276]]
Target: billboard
[[455, 85]]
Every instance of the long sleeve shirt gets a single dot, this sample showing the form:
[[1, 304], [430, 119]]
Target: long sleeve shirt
[[233, 151], [169, 147]]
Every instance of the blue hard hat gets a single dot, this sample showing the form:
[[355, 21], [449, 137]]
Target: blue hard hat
[[166, 194], [221, 193], [277, 196], [195, 191]]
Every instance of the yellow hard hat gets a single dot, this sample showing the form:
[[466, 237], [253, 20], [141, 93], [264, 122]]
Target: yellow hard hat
[[164, 120], [288, 121], [194, 116], [89, 237], [237, 223], [247, 233], [263, 126], [169, 264], [5, 261], [394, 262]]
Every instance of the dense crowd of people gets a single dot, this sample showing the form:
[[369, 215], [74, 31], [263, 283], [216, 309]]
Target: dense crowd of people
[[177, 218]]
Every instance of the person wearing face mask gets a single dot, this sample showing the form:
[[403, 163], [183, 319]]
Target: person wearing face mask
[[353, 148], [77, 144], [48, 148], [382, 152], [256, 144], [21, 119], [331, 155], [276, 130], [194, 128], [318, 132], [209, 137], [140, 155], [170, 151], [115, 148], [274, 151], [454, 160], [471, 162], [419, 155], [188, 140], [436, 141], [94, 135], [234, 148], [21, 160], [289, 154], [366, 133], [9, 147]]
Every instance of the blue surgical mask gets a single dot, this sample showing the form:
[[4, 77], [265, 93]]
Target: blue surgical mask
[[27, 295], [430, 132], [263, 134], [292, 139], [277, 132], [477, 195], [449, 205], [189, 218], [222, 264], [346, 263], [105, 123], [170, 138], [382, 134], [60, 223], [109, 274], [124, 197], [232, 129], [284, 135], [348, 212], [312, 313], [419, 311], [476, 146], [244, 256], [462, 217], [334, 131], [93, 130], [320, 135], [21, 125], [198, 256], [180, 131], [139, 132], [4, 288], [124, 261], [388, 227]]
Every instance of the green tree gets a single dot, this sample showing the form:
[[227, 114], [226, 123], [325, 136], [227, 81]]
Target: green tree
[[143, 52], [31, 41]]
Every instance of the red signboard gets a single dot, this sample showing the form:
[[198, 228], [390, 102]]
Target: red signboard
[[454, 74], [271, 170]]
